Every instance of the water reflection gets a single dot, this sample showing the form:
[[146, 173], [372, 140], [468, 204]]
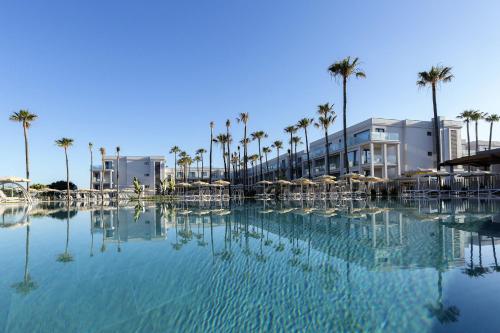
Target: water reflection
[[320, 266]]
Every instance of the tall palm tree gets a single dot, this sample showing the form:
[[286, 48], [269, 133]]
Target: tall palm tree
[[221, 139], [492, 118], [117, 173], [197, 159], [327, 118], [239, 163], [91, 146], [296, 141], [345, 69], [201, 152], [235, 160], [212, 124], [290, 130], [466, 117], [266, 150], [245, 142], [175, 150], [25, 118], [259, 135], [66, 256], [65, 143], [243, 118], [102, 150], [278, 145], [228, 143], [253, 159], [304, 123], [433, 78], [476, 117]]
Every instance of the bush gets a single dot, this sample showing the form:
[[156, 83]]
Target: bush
[[61, 185]]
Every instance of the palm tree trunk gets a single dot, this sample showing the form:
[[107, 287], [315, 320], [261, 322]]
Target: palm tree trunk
[[436, 128], [290, 157], [344, 125], [491, 132], [267, 166], [198, 169], [117, 177], [91, 162], [307, 150], [67, 172], [175, 167], [327, 155], [245, 157], [224, 159], [210, 158], [477, 142], [296, 163], [468, 139], [228, 158], [278, 166], [201, 155], [260, 161], [26, 155]]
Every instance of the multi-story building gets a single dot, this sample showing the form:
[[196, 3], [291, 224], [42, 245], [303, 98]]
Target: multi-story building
[[194, 173], [380, 147], [482, 144], [149, 170]]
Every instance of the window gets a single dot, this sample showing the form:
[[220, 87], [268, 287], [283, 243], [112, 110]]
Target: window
[[380, 130], [146, 163], [108, 165], [429, 153], [146, 175], [429, 133]]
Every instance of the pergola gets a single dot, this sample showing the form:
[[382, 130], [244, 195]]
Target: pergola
[[482, 159], [16, 181]]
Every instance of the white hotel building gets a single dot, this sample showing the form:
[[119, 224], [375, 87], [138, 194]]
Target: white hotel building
[[149, 170], [380, 147]]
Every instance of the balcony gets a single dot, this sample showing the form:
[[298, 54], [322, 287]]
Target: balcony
[[382, 136]]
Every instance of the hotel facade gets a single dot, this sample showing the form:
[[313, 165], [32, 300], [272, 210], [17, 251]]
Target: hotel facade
[[149, 170], [380, 147]]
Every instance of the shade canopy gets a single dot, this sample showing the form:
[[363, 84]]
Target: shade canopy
[[264, 182], [14, 179], [221, 182], [481, 159], [199, 183], [283, 182]]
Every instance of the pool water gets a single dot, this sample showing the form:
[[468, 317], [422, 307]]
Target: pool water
[[376, 266]]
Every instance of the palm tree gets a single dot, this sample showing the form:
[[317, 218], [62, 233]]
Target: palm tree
[[278, 145], [245, 142], [253, 159], [65, 143], [175, 150], [212, 124], [291, 130], [197, 159], [27, 285], [235, 160], [91, 146], [326, 118], [259, 135], [25, 118], [221, 139], [102, 150], [239, 163], [243, 118], [296, 140], [345, 69], [476, 117], [466, 117], [228, 143], [492, 118], [304, 123], [117, 174], [433, 77], [266, 150], [201, 152]]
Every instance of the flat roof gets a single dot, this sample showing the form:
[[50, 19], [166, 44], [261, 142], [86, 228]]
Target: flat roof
[[482, 159]]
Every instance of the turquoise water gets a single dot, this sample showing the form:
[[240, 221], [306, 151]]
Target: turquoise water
[[415, 266]]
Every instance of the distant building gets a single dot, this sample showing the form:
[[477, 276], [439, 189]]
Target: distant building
[[149, 170], [483, 145], [195, 173], [380, 147]]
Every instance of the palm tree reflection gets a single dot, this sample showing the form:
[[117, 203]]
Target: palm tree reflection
[[27, 284], [66, 256]]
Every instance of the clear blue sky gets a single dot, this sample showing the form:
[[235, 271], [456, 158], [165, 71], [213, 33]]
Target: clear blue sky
[[146, 75]]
